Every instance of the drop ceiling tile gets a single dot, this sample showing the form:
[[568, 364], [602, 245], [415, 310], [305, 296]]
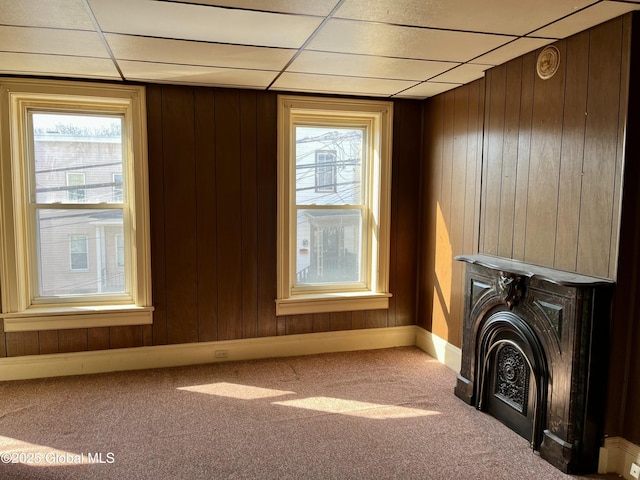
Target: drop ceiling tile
[[367, 66], [69, 14], [199, 22], [585, 19], [495, 16], [304, 7], [512, 50], [160, 50], [192, 75], [51, 41], [465, 73], [349, 36], [301, 82], [57, 65], [427, 89]]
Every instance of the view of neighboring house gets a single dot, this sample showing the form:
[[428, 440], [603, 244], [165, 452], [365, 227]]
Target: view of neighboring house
[[77, 171], [329, 169]]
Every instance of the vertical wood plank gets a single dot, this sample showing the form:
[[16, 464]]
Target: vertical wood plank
[[180, 214], [544, 168], [48, 340], [3, 340], [510, 158], [573, 137], [472, 168], [600, 150], [250, 200], [321, 322], [376, 319], [229, 204], [458, 200], [630, 24], [340, 321], [267, 208], [98, 338], [297, 324], [73, 340], [406, 166], [358, 319], [22, 343], [431, 181], [125, 337], [493, 159], [444, 254], [524, 156], [206, 215], [156, 202]]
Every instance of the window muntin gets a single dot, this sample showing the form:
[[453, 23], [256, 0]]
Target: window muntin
[[333, 203], [60, 137]]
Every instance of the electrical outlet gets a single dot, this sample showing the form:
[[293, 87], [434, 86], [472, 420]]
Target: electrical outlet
[[635, 470], [222, 353]]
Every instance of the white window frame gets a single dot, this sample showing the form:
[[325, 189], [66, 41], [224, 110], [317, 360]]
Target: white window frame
[[373, 292], [19, 310]]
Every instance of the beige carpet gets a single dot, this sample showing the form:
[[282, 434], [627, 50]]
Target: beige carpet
[[362, 415]]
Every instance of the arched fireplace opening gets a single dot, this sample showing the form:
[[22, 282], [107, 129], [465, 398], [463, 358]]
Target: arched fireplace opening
[[534, 355], [512, 374]]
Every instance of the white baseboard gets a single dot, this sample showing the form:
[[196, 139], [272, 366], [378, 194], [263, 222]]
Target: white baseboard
[[617, 455], [101, 361], [446, 353]]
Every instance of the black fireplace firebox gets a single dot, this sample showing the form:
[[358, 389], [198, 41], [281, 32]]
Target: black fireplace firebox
[[534, 355]]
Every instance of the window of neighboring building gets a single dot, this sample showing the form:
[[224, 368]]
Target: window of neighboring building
[[117, 188], [326, 170], [334, 171], [65, 141], [79, 252], [120, 251], [75, 182]]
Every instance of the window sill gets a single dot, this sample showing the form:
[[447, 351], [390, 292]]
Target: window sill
[[62, 318], [336, 302]]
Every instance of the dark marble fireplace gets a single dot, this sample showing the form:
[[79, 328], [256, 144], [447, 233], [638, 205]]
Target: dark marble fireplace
[[534, 355]]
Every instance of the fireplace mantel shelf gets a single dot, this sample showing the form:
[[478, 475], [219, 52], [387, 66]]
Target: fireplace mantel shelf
[[559, 277]]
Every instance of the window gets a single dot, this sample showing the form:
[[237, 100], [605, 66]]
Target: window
[[326, 170], [75, 182], [334, 172], [79, 252], [75, 251]]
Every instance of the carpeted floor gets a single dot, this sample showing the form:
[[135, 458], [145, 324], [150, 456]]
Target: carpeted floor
[[378, 414]]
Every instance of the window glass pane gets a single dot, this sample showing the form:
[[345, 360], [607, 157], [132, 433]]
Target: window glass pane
[[78, 251], [329, 246], [76, 158], [328, 165]]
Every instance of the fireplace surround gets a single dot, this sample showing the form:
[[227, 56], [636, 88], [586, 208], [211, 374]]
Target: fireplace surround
[[534, 355]]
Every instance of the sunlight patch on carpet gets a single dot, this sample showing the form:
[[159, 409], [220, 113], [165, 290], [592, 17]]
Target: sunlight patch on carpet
[[233, 390], [357, 409]]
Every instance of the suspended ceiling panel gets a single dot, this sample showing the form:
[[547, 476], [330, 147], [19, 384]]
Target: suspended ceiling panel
[[382, 48]]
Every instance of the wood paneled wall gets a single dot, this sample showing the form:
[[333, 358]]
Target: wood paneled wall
[[552, 165], [212, 167], [450, 205], [551, 170]]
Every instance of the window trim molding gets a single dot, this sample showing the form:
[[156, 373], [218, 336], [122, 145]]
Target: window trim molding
[[15, 276], [376, 296]]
